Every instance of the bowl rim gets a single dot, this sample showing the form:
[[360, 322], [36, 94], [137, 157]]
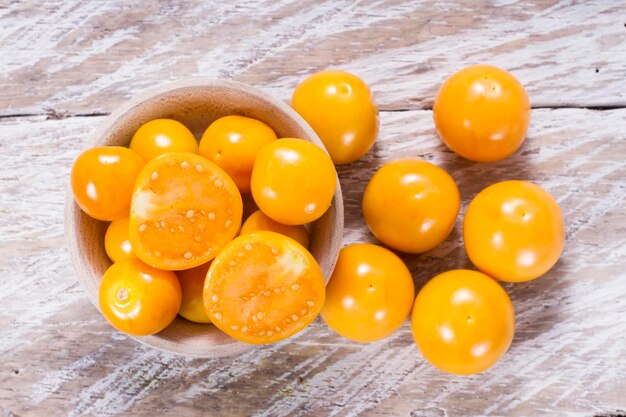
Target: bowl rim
[[71, 209]]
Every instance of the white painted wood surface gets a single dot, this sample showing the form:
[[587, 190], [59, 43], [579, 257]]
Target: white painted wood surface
[[59, 60], [87, 56]]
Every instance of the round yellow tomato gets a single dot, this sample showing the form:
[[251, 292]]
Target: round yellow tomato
[[462, 321], [233, 142], [340, 108], [514, 231], [411, 205], [259, 221], [263, 287], [293, 181], [192, 284], [116, 242], [369, 295], [138, 299], [103, 179], [159, 136], [482, 113]]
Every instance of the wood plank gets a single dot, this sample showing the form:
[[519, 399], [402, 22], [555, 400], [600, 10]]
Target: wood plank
[[87, 57], [568, 357]]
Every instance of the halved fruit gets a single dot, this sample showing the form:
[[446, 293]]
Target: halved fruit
[[184, 210], [263, 287]]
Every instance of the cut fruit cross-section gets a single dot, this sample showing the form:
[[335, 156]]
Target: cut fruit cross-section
[[184, 210], [263, 287]]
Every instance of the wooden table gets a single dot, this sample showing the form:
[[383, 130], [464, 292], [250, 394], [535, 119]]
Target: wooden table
[[65, 65]]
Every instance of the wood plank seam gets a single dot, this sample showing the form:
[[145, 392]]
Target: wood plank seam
[[60, 115]]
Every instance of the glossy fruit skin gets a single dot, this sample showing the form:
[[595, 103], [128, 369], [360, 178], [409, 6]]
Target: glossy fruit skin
[[411, 205], [233, 142], [482, 113], [263, 287], [160, 136], [514, 231], [192, 285], [185, 209], [293, 181], [462, 321], [258, 221], [369, 295], [340, 108], [116, 242], [103, 179], [137, 299]]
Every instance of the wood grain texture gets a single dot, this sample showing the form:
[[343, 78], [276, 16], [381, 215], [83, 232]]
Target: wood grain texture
[[568, 358], [89, 56]]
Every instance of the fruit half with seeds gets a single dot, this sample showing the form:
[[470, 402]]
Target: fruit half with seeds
[[184, 210], [263, 287]]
